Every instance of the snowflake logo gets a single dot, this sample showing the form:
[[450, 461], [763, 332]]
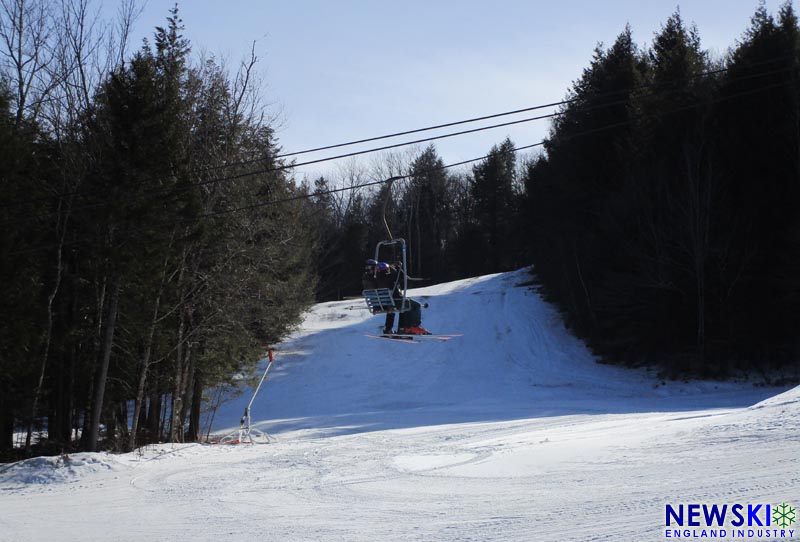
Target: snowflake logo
[[784, 515]]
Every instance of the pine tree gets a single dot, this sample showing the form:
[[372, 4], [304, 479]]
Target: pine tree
[[21, 273], [759, 141], [428, 200], [670, 191], [493, 191], [575, 192]]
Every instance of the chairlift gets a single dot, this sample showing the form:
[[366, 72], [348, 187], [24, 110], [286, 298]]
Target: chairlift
[[381, 300]]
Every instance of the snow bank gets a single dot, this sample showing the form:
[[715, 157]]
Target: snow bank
[[60, 469]]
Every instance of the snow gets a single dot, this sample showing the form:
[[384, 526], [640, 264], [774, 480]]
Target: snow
[[511, 432]]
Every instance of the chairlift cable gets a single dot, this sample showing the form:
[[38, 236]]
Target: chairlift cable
[[390, 181]]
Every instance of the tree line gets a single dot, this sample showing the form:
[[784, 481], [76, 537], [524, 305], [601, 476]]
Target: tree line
[[456, 223], [664, 211], [128, 285]]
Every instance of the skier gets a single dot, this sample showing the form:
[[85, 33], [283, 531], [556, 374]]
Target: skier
[[411, 320], [383, 275], [372, 280]]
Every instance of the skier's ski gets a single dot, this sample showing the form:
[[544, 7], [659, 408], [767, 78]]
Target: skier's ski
[[412, 338], [392, 338]]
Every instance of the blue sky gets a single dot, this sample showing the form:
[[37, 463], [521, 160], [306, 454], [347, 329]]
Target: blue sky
[[335, 71]]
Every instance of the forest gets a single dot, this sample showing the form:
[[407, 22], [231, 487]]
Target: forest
[[156, 241]]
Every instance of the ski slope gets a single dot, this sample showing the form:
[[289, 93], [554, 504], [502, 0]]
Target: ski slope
[[511, 432]]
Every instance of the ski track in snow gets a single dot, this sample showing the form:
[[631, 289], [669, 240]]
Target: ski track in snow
[[510, 432]]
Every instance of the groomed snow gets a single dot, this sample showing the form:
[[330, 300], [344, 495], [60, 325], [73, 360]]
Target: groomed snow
[[510, 432]]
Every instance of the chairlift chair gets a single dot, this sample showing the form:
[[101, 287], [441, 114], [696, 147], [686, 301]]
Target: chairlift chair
[[380, 300]]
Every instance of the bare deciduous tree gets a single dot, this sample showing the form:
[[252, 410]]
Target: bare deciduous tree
[[26, 33]]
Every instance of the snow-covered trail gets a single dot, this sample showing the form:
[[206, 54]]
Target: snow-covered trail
[[511, 432], [514, 360]]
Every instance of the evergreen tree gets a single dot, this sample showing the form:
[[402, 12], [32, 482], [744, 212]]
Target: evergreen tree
[[575, 192], [21, 273], [493, 191], [430, 228], [758, 119], [666, 206], [138, 130]]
